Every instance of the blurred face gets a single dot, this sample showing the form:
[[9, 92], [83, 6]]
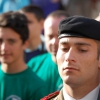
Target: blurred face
[[11, 46], [35, 26], [51, 34], [78, 61]]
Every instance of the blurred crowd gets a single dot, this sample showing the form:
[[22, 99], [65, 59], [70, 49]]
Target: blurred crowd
[[40, 44], [89, 8]]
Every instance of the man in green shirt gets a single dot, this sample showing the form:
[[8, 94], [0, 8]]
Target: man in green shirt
[[17, 81], [45, 65]]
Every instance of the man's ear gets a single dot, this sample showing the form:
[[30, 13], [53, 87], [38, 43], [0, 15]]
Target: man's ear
[[26, 44], [42, 23], [99, 62]]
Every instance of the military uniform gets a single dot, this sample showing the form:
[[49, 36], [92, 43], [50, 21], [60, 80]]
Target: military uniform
[[54, 96], [76, 26], [58, 95]]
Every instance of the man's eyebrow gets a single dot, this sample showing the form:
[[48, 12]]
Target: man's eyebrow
[[82, 43], [63, 42], [76, 43]]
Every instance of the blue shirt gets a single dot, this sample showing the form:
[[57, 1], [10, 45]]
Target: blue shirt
[[12, 5], [30, 54], [47, 5]]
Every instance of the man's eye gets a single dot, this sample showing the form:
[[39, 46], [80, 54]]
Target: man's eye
[[50, 37], [64, 49], [82, 50], [1, 41], [29, 22], [12, 41]]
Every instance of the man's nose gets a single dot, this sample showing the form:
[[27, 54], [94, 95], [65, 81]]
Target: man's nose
[[4, 46], [54, 41], [70, 55]]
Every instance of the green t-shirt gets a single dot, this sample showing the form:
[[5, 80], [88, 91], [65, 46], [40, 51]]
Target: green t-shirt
[[21, 86], [47, 70]]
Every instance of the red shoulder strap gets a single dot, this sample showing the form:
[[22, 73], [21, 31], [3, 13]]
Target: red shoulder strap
[[50, 96]]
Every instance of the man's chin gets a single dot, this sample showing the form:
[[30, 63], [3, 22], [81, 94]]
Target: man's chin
[[4, 61], [54, 53]]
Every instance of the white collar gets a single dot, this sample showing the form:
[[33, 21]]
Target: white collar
[[93, 95], [38, 47]]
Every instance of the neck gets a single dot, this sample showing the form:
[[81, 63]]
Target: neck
[[80, 92], [54, 58], [34, 44], [13, 68]]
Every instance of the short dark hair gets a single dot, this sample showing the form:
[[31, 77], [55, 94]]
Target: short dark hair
[[17, 22], [37, 11], [58, 13]]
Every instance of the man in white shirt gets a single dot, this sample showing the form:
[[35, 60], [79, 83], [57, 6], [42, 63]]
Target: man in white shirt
[[78, 59]]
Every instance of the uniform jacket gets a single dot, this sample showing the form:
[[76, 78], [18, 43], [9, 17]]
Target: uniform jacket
[[59, 96]]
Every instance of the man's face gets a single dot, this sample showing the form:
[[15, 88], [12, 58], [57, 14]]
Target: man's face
[[51, 34], [35, 26], [11, 46], [77, 60]]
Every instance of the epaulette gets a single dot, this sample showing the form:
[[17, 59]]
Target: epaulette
[[50, 96]]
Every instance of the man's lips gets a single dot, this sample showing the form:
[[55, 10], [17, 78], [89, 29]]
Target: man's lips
[[54, 50], [5, 55], [70, 68]]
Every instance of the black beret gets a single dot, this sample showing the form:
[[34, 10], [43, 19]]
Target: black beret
[[79, 26]]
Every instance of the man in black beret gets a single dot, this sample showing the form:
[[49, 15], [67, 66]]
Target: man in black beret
[[78, 59]]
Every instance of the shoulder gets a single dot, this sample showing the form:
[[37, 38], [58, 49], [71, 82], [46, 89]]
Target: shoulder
[[32, 78], [51, 96], [32, 83], [40, 58]]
